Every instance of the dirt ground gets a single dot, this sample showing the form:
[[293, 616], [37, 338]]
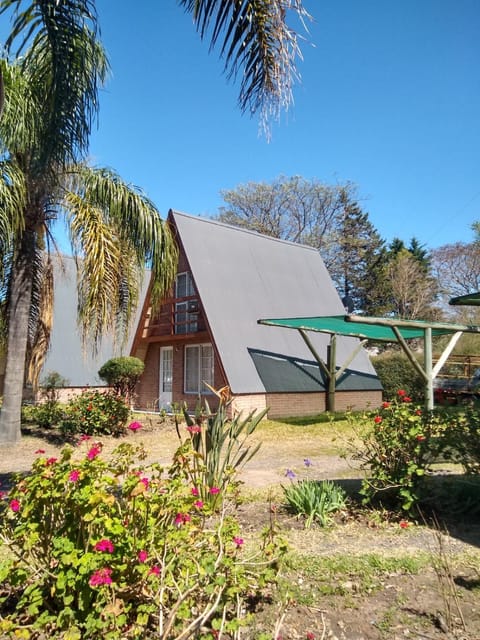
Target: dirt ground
[[393, 604]]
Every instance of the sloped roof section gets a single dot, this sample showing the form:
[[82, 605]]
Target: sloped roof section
[[242, 276]]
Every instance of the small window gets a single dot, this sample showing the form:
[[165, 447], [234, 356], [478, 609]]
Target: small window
[[198, 368], [186, 313]]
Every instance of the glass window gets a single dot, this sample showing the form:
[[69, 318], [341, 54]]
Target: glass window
[[186, 313], [198, 368]]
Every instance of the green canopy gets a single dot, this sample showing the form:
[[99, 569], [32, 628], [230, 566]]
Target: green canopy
[[377, 331], [472, 299], [383, 330]]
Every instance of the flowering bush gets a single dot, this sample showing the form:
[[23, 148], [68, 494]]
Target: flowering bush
[[118, 550], [398, 444], [96, 413]]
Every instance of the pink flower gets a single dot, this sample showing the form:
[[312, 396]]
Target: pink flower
[[238, 541], [401, 392], [145, 482], [84, 437], [51, 461], [194, 491], [142, 555], [93, 452], [310, 635], [198, 504], [407, 399], [377, 419], [214, 490], [385, 405], [101, 576], [39, 451], [181, 518], [74, 475], [135, 426], [14, 505], [104, 545], [404, 524], [194, 429], [154, 571]]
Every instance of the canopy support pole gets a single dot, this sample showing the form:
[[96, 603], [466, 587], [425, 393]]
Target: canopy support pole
[[427, 354], [332, 368]]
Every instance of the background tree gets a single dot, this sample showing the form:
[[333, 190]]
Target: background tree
[[413, 291], [290, 208], [355, 257]]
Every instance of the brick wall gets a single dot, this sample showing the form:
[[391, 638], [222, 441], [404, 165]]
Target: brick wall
[[147, 390], [305, 404]]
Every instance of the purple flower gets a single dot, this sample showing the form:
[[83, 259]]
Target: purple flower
[[307, 462], [238, 541], [289, 474]]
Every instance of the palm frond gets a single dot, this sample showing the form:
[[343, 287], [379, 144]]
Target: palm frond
[[13, 196], [97, 248], [136, 220], [257, 43], [64, 63]]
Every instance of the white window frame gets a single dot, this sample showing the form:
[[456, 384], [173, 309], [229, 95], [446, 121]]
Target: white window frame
[[202, 375]]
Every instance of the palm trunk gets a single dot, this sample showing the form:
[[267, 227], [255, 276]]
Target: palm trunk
[[19, 309]]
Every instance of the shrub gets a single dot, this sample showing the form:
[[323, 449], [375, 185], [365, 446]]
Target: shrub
[[122, 374], [462, 439], [398, 445], [118, 550], [315, 500], [45, 415], [395, 371], [96, 413]]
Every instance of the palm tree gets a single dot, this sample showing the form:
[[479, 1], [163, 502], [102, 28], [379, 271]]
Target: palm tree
[[51, 101]]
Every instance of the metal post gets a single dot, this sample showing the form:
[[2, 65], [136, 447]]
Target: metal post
[[331, 365]]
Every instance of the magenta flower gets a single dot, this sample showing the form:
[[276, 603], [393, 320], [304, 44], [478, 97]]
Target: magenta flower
[[142, 555], [214, 490], [154, 571], [85, 438], [101, 576], [74, 475], [135, 426], [198, 504], [194, 429], [39, 451], [194, 491], [14, 505], [51, 461], [181, 518], [93, 452], [238, 541], [104, 545], [145, 482]]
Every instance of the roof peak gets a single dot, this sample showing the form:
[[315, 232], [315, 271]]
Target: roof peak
[[233, 227]]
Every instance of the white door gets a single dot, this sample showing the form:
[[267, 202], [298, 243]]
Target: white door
[[166, 377]]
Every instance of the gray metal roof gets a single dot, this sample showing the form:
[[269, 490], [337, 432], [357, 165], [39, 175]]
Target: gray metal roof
[[242, 276], [66, 355]]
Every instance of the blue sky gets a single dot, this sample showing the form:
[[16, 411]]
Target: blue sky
[[389, 100]]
